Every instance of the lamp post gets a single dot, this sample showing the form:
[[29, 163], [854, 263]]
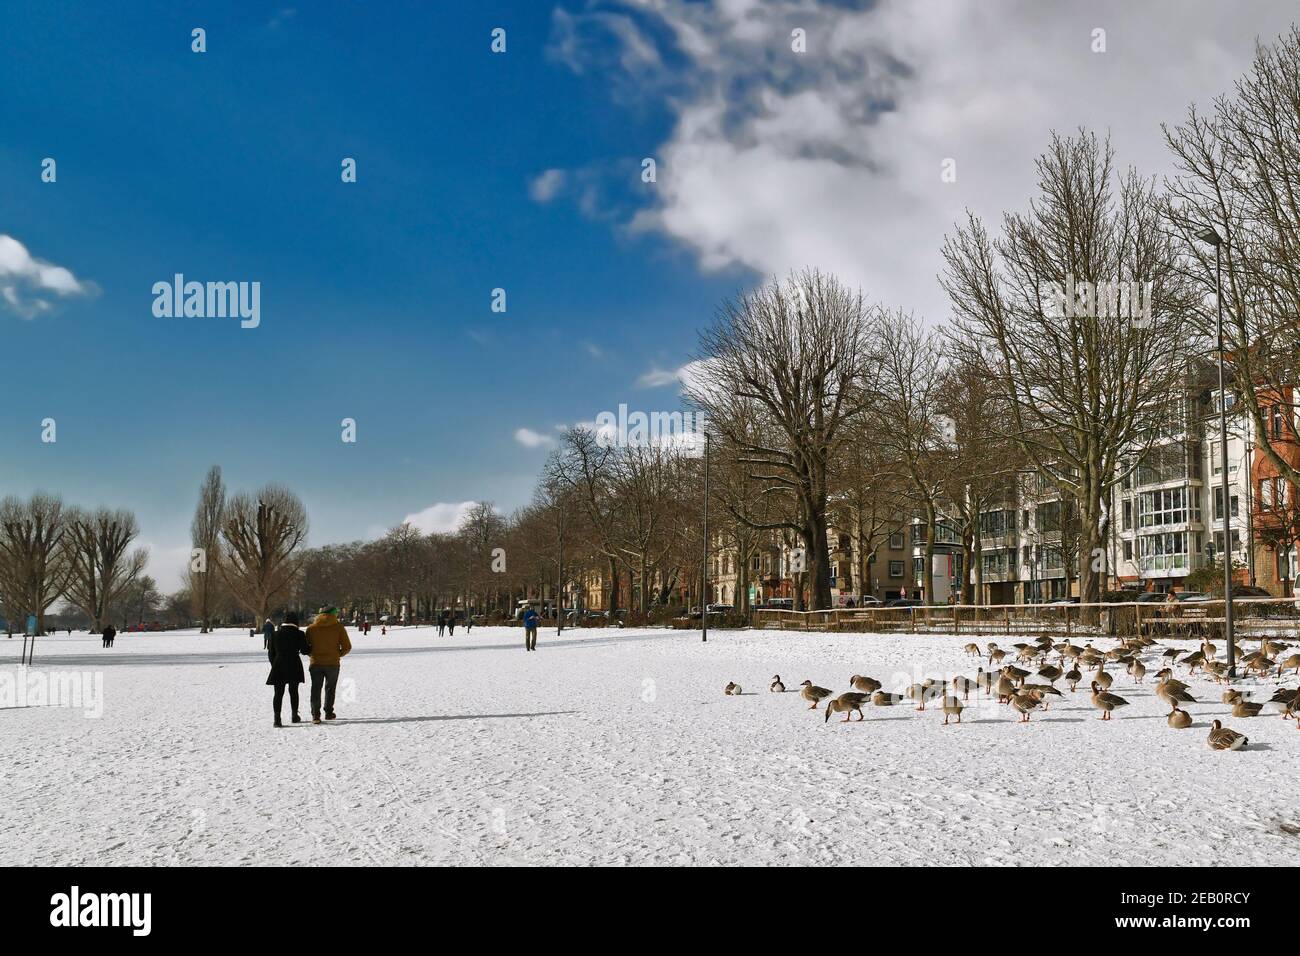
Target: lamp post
[[1214, 239]]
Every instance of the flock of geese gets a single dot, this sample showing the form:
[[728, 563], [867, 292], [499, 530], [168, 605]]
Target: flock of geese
[[1012, 686]]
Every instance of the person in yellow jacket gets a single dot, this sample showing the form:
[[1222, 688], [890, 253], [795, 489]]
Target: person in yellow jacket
[[328, 642]]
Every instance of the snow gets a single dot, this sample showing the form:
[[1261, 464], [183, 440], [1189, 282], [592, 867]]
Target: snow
[[609, 746]]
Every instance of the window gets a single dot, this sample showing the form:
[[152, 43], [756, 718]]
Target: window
[[896, 543], [1128, 514], [1025, 519], [1276, 422], [754, 564], [1163, 552], [1216, 459], [918, 567], [1167, 506], [895, 569], [1128, 550]]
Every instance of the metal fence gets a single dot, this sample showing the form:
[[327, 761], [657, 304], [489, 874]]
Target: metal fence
[[1254, 617]]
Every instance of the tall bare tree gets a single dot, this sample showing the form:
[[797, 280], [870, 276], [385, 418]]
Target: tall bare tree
[[205, 534], [260, 536], [799, 353], [33, 562], [1085, 381], [1238, 173], [100, 565]]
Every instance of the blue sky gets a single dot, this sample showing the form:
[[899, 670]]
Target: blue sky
[[375, 295], [477, 171]]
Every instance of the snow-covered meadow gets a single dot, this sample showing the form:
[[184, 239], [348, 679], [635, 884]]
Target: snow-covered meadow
[[609, 747]]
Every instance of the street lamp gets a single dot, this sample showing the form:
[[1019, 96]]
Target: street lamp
[[1213, 238]]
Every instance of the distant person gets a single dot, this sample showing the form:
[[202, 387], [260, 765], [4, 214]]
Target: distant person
[[469, 621], [328, 641], [451, 623], [268, 631], [110, 632], [442, 623], [383, 630], [285, 648], [530, 629]]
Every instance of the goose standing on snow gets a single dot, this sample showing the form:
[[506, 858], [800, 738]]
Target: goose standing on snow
[[811, 692], [1179, 719], [777, 687], [1106, 701], [845, 704]]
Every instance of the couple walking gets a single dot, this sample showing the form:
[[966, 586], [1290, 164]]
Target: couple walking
[[326, 642]]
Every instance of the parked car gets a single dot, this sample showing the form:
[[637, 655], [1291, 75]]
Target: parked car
[[1065, 600], [722, 608], [904, 602]]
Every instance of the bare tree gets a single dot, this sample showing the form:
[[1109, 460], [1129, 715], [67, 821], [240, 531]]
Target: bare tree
[[1086, 379], [205, 534], [100, 567], [585, 463], [1239, 175], [799, 354], [33, 562], [909, 425], [260, 536]]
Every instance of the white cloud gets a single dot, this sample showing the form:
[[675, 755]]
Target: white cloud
[[657, 378], [442, 518], [547, 185], [832, 158], [27, 283], [531, 439]]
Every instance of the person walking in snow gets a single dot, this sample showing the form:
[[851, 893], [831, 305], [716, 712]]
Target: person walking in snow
[[110, 632], [328, 642], [285, 648], [530, 629], [442, 623], [268, 631]]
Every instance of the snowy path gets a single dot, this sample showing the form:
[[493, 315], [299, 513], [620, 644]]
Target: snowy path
[[617, 747]]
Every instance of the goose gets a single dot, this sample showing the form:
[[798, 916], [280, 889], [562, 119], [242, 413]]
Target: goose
[[1015, 673], [1073, 676], [1246, 708], [984, 679], [1041, 691], [811, 692], [846, 704], [1288, 699], [1051, 672], [1105, 701], [995, 656], [1221, 738], [973, 650], [883, 698], [1293, 662], [1209, 650], [1025, 702], [1102, 678], [868, 685], [732, 689], [1139, 671], [951, 706], [776, 686], [1174, 693], [965, 685], [1231, 696], [923, 692], [1219, 669], [1179, 719], [1193, 661], [1164, 674], [1005, 689]]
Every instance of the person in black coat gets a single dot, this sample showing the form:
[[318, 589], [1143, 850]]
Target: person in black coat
[[287, 645], [110, 632]]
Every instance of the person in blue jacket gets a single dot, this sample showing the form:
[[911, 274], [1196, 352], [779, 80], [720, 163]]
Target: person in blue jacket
[[530, 629]]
